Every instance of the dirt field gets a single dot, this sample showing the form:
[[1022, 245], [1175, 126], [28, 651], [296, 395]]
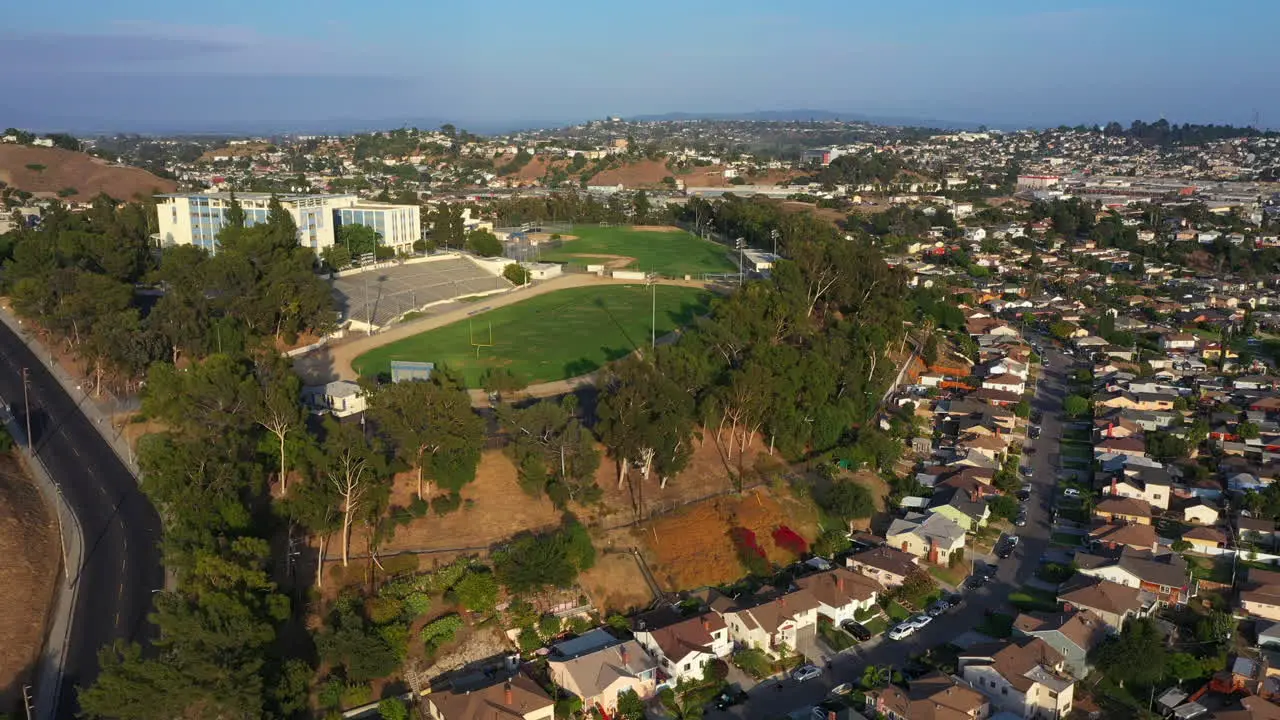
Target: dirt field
[[500, 510], [615, 583], [692, 549], [544, 237], [636, 174], [655, 228], [65, 169], [28, 576]]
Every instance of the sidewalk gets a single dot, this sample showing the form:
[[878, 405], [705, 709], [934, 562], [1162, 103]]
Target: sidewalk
[[91, 408]]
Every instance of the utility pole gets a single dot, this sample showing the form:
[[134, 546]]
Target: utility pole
[[368, 312], [26, 700], [774, 234], [742, 245]]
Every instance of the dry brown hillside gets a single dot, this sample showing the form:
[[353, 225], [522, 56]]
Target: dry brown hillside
[[28, 575], [47, 171], [641, 173]]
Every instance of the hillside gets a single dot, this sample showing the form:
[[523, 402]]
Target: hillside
[[641, 173], [45, 172]]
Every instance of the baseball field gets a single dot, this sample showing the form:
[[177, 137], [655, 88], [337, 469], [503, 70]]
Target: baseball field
[[664, 250]]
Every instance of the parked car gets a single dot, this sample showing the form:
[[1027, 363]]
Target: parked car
[[1035, 432], [919, 621], [1071, 493], [729, 698], [900, 631], [938, 608], [856, 629], [805, 673], [823, 710]]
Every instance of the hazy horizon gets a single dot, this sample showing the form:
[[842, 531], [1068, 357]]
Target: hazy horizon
[[149, 66]]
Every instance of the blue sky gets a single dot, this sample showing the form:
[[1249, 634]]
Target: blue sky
[[288, 64]]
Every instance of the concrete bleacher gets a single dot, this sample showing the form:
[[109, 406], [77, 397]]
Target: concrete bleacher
[[379, 296]]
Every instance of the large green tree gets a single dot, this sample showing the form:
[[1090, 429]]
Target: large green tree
[[432, 427]]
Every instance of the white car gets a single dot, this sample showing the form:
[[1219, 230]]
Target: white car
[[1071, 492], [805, 672], [901, 631], [918, 622]]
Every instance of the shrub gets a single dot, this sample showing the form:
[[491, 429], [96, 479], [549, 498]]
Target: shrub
[[440, 631], [790, 540], [353, 695], [393, 709], [754, 663], [548, 626], [528, 640], [382, 610], [446, 504], [419, 507], [477, 590], [750, 554], [330, 693], [418, 603]]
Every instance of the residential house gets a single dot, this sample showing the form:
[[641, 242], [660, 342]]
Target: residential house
[[841, 593], [934, 537], [1026, 677], [681, 645], [519, 698], [1251, 708], [934, 696], [887, 566], [341, 398], [1208, 540], [599, 677], [1258, 531], [1008, 382], [1131, 446], [1073, 634], [1113, 603], [1151, 488], [1199, 511], [1116, 536], [772, 622], [1123, 510], [1164, 575], [966, 508], [1177, 341], [1260, 594]]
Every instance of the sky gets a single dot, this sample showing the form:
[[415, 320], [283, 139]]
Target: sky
[[324, 65]]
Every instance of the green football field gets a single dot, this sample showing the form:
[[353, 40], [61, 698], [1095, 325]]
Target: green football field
[[547, 337], [675, 254]]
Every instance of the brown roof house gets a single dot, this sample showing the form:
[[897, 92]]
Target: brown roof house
[[931, 697], [599, 677], [1123, 510], [1163, 574], [680, 645], [1260, 594], [771, 623], [1073, 634], [1113, 603], [519, 698], [1026, 677], [887, 566], [1116, 536], [841, 593]]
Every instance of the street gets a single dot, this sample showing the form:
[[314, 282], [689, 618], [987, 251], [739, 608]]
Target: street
[[121, 528], [768, 701]]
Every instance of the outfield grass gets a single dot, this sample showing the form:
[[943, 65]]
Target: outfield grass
[[547, 337], [675, 253]]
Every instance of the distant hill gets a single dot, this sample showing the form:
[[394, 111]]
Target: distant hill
[[807, 115], [48, 172]]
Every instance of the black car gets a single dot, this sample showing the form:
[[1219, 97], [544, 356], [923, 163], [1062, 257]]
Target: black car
[[975, 581], [1035, 432], [856, 629], [730, 698]]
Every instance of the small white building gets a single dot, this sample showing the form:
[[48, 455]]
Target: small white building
[[342, 398]]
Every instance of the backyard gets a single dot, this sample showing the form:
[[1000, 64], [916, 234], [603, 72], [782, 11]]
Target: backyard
[[667, 251], [548, 337]]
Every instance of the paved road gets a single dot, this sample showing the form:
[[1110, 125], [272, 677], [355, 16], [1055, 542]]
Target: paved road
[[121, 528], [768, 701]]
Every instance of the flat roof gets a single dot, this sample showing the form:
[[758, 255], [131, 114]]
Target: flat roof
[[254, 195]]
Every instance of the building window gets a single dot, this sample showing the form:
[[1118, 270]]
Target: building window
[[1004, 691], [688, 667]]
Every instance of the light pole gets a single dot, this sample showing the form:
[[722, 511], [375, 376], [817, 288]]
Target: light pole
[[26, 406], [742, 245], [653, 314]]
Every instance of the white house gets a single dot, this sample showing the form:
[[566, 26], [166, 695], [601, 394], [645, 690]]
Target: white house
[[683, 645], [771, 624], [341, 398], [841, 593], [1026, 677]]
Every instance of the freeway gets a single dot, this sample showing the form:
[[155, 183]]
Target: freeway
[[121, 528], [773, 700]]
